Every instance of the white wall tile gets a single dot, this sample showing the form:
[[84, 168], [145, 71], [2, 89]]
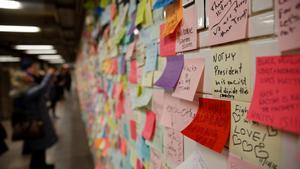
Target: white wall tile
[[262, 24], [260, 5]]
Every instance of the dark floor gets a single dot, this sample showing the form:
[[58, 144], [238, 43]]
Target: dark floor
[[71, 152]]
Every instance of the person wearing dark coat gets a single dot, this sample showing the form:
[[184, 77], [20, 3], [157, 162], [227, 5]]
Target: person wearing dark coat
[[30, 96], [3, 136]]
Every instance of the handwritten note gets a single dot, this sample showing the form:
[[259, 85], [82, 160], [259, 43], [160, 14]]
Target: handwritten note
[[177, 113], [186, 38], [173, 148], [147, 79], [161, 3], [167, 44], [149, 126], [276, 98], [251, 141], [227, 20], [171, 74], [155, 159], [174, 16], [236, 163], [157, 105], [288, 22], [195, 161], [231, 72], [189, 79], [132, 129], [211, 125], [151, 57]]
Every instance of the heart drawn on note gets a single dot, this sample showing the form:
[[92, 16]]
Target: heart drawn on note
[[236, 117], [236, 140], [246, 147], [272, 132]]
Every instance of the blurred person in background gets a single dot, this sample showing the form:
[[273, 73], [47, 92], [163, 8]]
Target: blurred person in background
[[67, 77], [29, 100], [53, 95], [3, 136]]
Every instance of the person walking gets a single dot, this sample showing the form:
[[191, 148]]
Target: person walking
[[29, 99]]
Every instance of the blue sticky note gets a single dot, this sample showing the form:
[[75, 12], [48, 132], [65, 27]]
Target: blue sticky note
[[161, 3], [143, 150], [151, 57], [126, 133]]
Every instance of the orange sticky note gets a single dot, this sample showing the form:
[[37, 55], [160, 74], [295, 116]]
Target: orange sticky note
[[133, 72], [174, 16], [133, 129], [149, 126], [167, 44], [211, 125], [276, 98]]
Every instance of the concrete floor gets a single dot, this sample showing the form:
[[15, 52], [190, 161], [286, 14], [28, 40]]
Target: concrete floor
[[71, 151]]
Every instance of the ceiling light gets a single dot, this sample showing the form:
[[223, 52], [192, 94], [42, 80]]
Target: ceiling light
[[9, 59], [49, 57], [57, 61], [6, 4], [14, 28], [35, 47], [50, 51]]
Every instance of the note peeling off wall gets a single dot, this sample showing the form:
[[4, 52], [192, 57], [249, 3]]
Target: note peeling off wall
[[276, 98], [251, 141], [231, 72], [211, 125], [227, 20]]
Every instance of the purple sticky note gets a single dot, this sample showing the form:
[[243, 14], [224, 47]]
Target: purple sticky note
[[132, 27], [171, 74], [122, 65]]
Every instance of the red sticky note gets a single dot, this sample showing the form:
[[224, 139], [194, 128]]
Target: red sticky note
[[133, 129], [123, 146], [133, 72], [120, 107], [149, 126], [276, 98], [167, 44], [211, 125]]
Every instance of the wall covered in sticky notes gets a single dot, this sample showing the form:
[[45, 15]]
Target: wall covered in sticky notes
[[197, 84]]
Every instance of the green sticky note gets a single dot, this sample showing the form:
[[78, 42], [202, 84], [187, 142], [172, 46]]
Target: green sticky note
[[140, 12]]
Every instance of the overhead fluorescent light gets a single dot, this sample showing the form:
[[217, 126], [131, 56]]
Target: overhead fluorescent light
[[7, 4], [57, 61], [9, 59], [34, 47], [14, 28], [49, 57], [50, 51]]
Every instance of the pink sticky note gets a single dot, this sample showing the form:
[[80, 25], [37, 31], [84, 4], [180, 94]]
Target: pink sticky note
[[288, 25], [173, 145], [227, 20], [189, 79], [133, 72], [167, 44], [276, 98], [149, 126], [120, 107], [155, 159], [133, 129], [236, 163], [177, 113], [130, 50], [186, 38]]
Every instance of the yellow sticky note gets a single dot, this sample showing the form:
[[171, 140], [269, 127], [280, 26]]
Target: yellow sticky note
[[104, 3], [148, 15], [147, 79], [253, 142], [140, 12], [174, 14], [231, 72]]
